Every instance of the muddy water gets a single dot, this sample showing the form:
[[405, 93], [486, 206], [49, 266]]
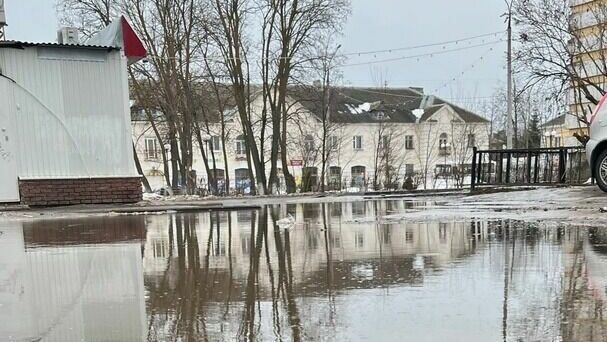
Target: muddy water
[[313, 272]]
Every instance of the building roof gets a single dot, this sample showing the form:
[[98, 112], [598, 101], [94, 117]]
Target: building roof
[[371, 105], [558, 121], [14, 44]]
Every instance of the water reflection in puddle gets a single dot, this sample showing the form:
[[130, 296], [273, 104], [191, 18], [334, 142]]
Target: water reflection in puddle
[[334, 274]]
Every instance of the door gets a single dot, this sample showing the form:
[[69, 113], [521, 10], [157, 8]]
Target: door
[[9, 185]]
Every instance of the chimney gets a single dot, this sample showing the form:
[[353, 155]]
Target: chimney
[[68, 35], [418, 89]]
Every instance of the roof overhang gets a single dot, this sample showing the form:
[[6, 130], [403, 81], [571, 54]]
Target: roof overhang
[[13, 44]]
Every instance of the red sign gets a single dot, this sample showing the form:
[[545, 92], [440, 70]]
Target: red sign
[[296, 162]]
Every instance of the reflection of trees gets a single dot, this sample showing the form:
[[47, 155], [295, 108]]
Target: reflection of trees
[[207, 290], [582, 305]]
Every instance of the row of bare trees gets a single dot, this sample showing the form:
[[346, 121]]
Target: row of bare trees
[[209, 60]]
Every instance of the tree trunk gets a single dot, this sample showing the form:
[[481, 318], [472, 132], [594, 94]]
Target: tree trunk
[[144, 180]]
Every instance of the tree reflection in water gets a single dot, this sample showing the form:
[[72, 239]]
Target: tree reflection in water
[[183, 298], [336, 275], [248, 279]]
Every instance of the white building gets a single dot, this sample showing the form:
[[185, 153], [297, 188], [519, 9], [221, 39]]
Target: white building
[[65, 136], [376, 136]]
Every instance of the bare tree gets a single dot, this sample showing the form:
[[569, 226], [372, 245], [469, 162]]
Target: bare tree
[[557, 53], [290, 27], [427, 135], [229, 36]]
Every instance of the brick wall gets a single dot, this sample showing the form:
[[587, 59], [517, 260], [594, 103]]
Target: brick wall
[[55, 192]]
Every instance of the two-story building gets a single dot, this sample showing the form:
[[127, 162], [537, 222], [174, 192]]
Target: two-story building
[[374, 138]]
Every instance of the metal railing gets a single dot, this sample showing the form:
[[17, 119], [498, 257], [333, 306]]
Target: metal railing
[[540, 166]]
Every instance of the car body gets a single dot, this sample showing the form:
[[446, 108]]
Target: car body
[[596, 147]]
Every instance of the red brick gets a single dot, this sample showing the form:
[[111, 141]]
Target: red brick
[[75, 191]]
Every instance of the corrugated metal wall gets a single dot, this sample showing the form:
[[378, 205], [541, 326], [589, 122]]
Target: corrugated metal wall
[[71, 112]]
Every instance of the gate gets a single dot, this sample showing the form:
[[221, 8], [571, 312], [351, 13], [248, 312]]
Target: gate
[[541, 166]]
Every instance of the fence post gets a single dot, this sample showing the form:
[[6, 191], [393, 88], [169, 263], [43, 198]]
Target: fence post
[[562, 165], [508, 166], [473, 175], [479, 166], [529, 167], [501, 171]]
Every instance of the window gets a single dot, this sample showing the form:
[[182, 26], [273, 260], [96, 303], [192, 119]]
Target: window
[[241, 149], [151, 149], [357, 142], [443, 143], [409, 142], [309, 144], [312, 241], [215, 143], [471, 140], [359, 240], [245, 243], [384, 142], [335, 240], [409, 236], [557, 141], [409, 170], [333, 142], [443, 170]]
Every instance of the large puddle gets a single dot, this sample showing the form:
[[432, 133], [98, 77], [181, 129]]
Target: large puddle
[[324, 272]]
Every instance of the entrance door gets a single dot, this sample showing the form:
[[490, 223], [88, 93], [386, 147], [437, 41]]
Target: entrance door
[[9, 187]]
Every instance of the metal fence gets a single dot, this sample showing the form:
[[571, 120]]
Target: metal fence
[[543, 166]]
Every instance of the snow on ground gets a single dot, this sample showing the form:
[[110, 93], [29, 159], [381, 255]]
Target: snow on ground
[[575, 205]]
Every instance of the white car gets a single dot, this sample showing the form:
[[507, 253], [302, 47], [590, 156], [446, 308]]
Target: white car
[[596, 148]]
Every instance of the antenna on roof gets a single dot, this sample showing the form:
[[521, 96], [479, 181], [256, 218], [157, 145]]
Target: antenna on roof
[[2, 20]]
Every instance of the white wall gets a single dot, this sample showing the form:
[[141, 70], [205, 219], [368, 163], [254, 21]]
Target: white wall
[[71, 112]]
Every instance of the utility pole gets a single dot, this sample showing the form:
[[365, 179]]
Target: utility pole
[[509, 128], [2, 21]]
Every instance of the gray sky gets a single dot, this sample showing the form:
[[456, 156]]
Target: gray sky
[[376, 25]]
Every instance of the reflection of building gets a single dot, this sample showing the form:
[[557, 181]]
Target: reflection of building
[[348, 237], [56, 287], [584, 286]]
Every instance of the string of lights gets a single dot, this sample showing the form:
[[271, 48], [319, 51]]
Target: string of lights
[[412, 98], [413, 47], [430, 54]]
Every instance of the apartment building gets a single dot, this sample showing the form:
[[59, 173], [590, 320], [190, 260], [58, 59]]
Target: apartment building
[[375, 138], [588, 19]]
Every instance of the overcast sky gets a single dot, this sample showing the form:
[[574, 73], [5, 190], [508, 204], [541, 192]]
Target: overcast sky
[[376, 25]]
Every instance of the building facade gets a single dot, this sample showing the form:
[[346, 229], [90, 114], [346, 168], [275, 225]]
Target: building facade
[[373, 138], [588, 39]]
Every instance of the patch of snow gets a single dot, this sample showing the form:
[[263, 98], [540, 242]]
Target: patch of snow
[[418, 113], [360, 109]]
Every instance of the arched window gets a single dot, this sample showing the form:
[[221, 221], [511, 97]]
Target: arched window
[[443, 141]]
